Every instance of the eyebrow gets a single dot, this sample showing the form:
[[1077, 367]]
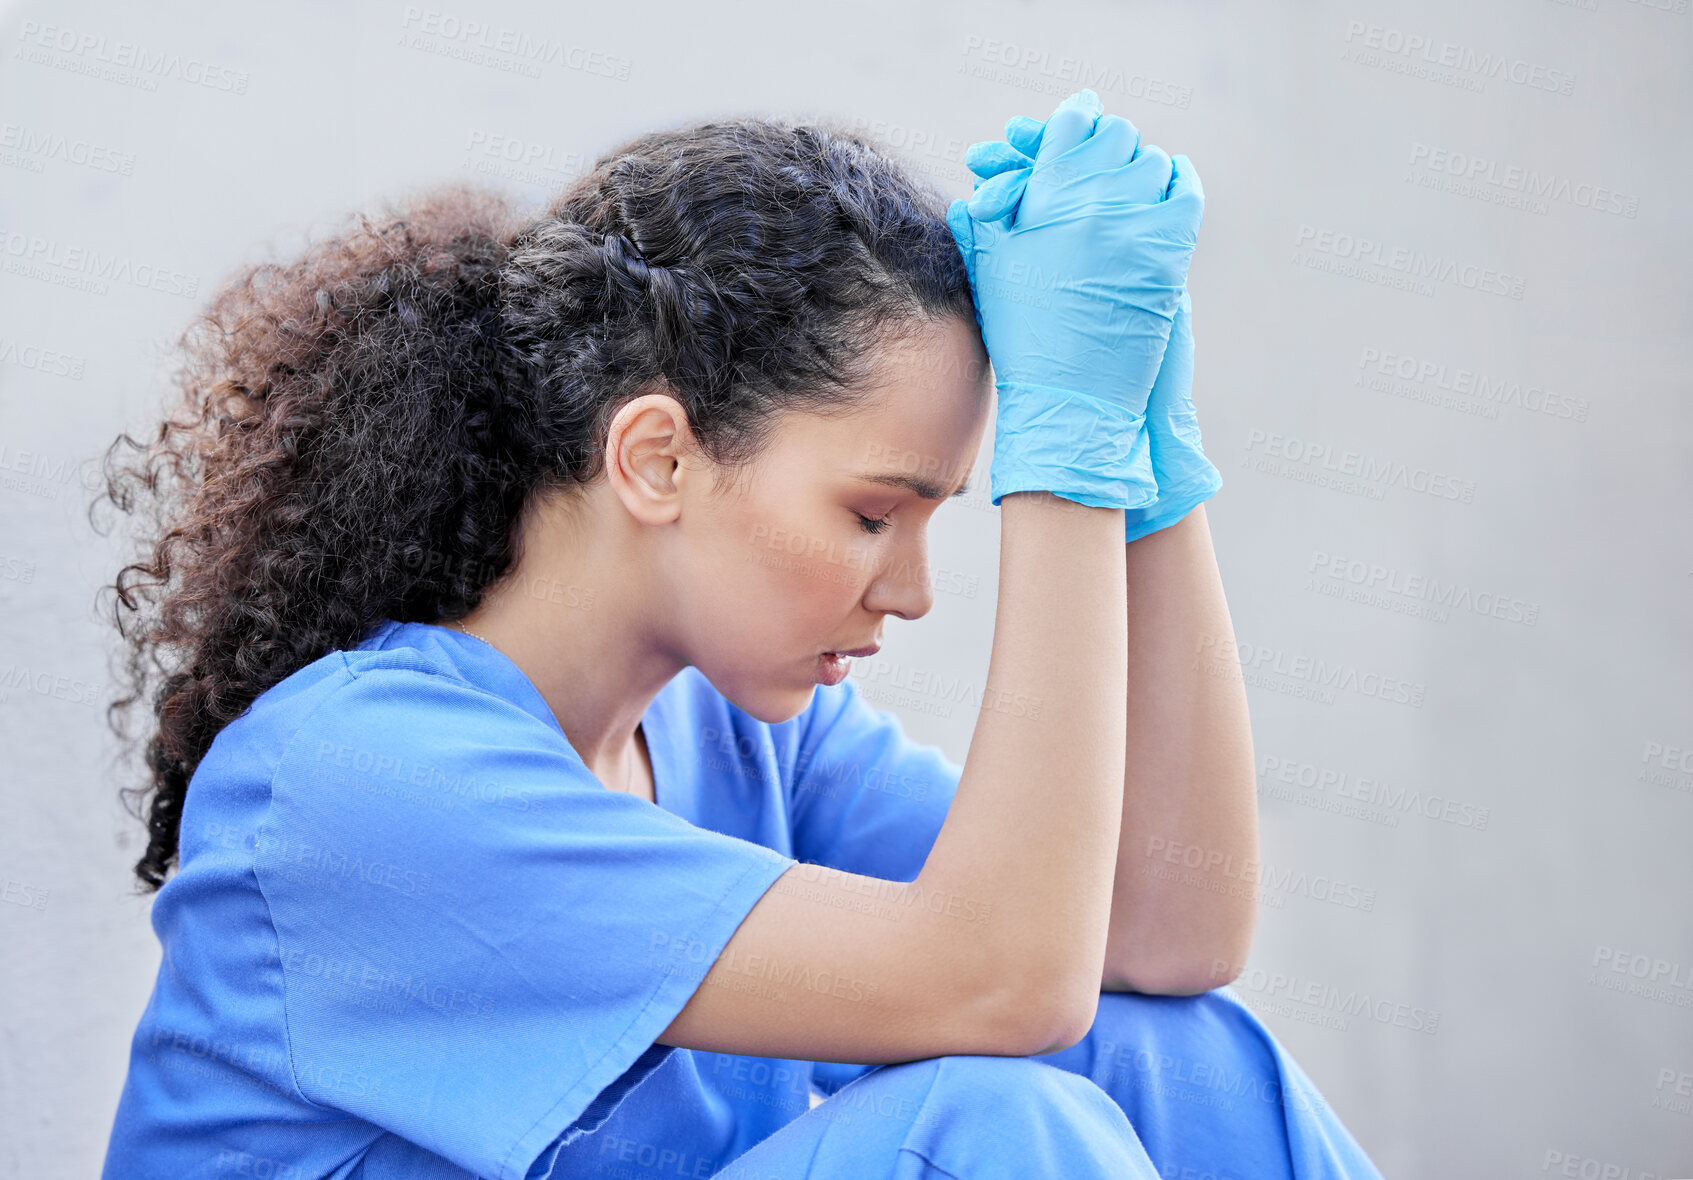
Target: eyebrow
[[911, 483]]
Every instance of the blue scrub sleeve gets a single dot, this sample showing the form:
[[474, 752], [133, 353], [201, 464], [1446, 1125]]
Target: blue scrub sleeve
[[473, 926]]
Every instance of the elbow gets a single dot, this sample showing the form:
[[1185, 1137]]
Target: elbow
[[1195, 970], [1065, 1015], [1175, 980], [1074, 1024]]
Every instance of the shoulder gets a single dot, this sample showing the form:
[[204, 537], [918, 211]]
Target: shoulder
[[411, 718], [368, 729], [836, 711], [389, 693]]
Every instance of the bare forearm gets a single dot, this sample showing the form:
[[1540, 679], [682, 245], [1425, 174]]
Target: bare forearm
[[1184, 895], [1033, 825]]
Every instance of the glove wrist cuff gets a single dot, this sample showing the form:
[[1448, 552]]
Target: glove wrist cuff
[[1071, 445], [1172, 504]]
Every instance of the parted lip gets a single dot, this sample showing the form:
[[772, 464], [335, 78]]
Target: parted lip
[[857, 651]]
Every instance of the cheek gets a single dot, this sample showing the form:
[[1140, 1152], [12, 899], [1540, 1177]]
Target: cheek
[[797, 571]]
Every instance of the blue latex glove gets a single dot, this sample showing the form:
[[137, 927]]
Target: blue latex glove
[[1078, 262], [1184, 476]]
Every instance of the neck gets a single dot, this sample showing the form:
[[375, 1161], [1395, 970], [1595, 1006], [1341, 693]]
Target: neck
[[571, 615]]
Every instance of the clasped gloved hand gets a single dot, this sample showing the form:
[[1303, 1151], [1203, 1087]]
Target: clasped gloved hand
[[1186, 478], [1087, 324]]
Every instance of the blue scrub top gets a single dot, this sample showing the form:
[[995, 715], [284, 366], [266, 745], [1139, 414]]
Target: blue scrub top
[[409, 924]]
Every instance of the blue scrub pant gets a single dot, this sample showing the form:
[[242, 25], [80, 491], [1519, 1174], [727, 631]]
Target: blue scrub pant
[[1162, 1087]]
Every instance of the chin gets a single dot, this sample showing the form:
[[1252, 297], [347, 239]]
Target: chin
[[765, 702], [775, 708]]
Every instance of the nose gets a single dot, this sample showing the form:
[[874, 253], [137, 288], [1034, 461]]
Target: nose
[[902, 585]]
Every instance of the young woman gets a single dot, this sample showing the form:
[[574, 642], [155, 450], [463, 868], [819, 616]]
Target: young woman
[[523, 820]]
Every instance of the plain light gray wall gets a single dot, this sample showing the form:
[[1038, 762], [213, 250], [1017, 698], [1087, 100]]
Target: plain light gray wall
[[1414, 373]]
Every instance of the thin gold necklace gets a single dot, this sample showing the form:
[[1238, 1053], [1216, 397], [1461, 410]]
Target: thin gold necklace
[[628, 782], [469, 632]]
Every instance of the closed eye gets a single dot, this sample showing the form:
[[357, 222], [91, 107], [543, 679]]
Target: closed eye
[[871, 524]]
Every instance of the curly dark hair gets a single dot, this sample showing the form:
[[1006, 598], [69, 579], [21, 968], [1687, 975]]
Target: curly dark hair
[[359, 429]]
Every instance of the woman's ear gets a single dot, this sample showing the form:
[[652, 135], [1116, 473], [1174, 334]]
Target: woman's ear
[[646, 445]]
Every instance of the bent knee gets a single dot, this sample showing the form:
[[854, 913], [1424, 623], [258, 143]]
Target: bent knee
[[969, 1083], [1014, 1089], [1018, 1116], [1135, 1037], [984, 1117]]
